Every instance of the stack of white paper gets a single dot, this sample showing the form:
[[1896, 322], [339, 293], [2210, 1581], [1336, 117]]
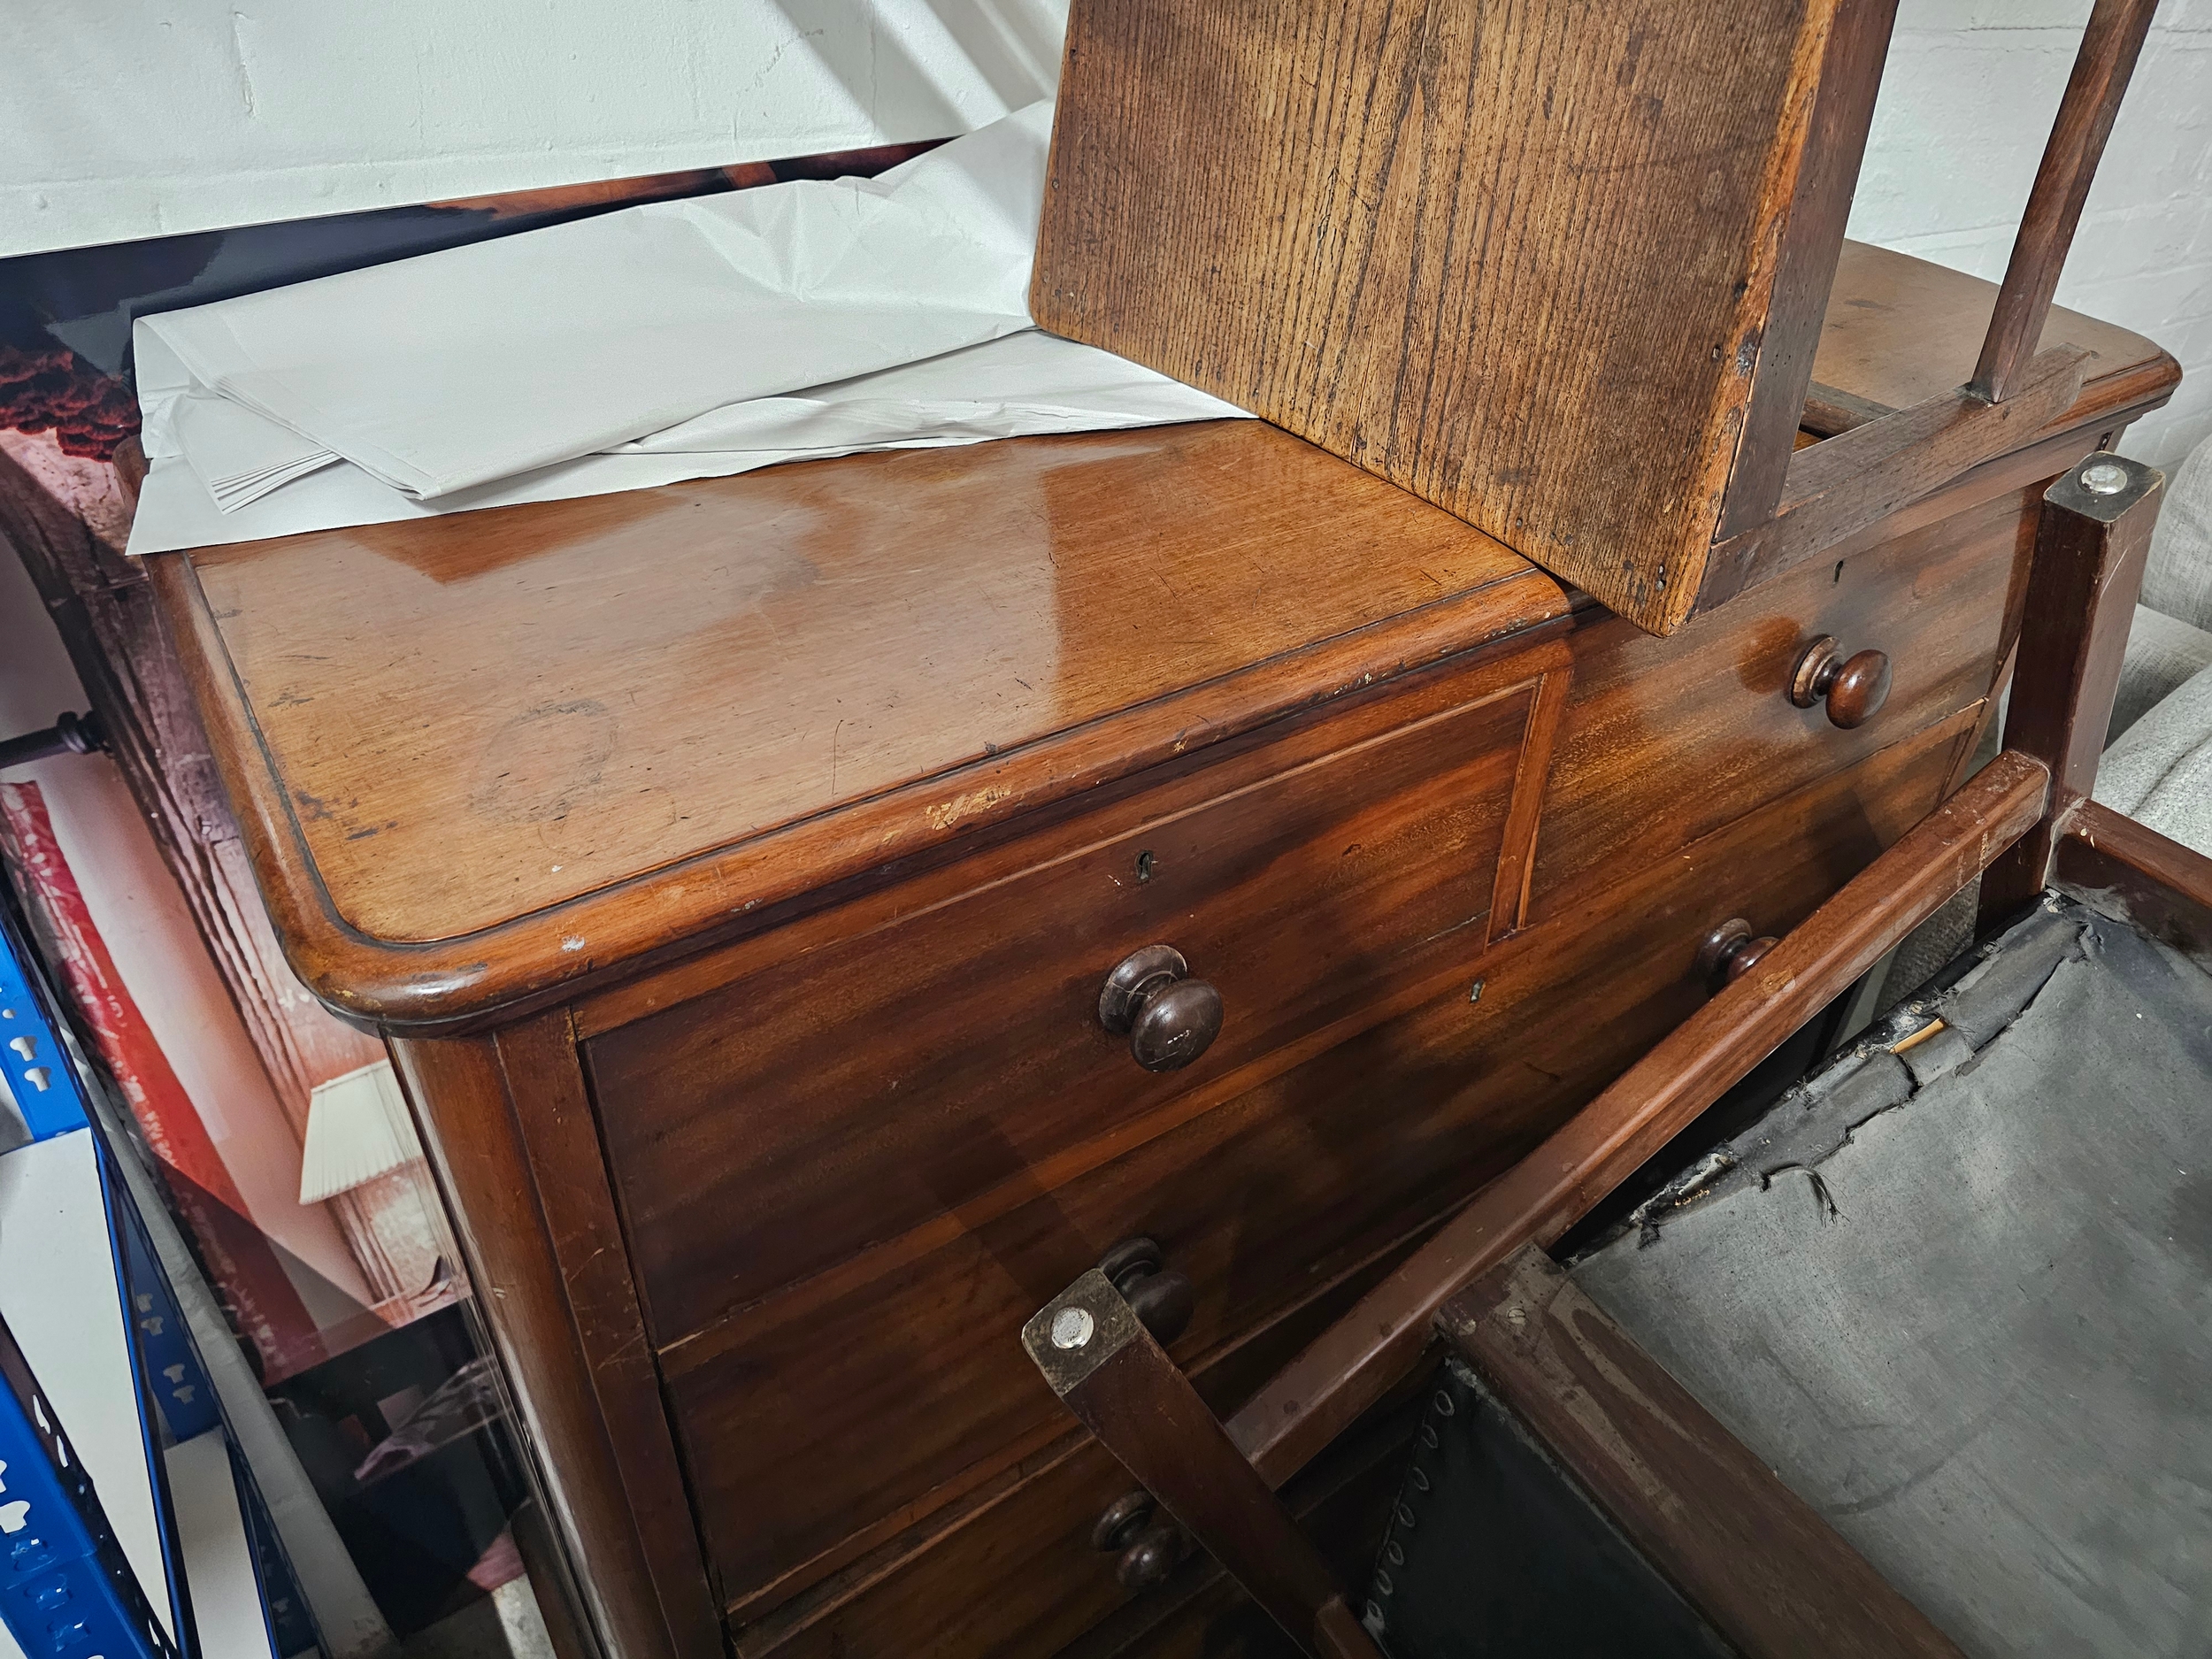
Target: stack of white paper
[[675, 340]]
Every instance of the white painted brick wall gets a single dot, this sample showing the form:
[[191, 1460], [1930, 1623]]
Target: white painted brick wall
[[1965, 106]]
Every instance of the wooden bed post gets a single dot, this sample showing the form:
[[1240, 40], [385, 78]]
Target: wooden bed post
[[2090, 548], [2103, 67], [1107, 1368]]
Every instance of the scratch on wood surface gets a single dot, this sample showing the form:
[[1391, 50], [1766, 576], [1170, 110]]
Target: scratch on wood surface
[[947, 813]]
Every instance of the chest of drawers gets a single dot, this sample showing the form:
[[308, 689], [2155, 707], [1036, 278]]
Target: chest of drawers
[[735, 870]]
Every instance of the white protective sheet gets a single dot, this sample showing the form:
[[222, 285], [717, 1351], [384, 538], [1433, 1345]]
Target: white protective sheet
[[674, 339]]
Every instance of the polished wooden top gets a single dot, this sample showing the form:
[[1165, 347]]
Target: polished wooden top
[[501, 723], [1900, 330], [479, 758]]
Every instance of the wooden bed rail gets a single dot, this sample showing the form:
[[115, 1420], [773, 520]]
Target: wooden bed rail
[[2103, 67], [1100, 1363], [1352, 1363]]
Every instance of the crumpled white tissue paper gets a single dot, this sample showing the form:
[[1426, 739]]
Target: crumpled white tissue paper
[[672, 340]]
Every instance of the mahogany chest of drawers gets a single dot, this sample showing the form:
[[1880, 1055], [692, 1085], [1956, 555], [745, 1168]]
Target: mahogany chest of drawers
[[735, 870]]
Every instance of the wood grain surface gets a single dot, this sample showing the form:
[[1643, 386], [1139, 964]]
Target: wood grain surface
[[798, 1114], [1330, 1165], [462, 738], [1750, 1555], [1664, 740], [1329, 1173], [1483, 251]]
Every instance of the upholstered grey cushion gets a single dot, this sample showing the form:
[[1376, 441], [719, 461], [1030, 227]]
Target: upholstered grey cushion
[[2160, 772], [2178, 578], [2162, 651]]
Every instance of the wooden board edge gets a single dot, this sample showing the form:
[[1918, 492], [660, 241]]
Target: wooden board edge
[[1745, 1551], [553, 1114], [2131, 872], [1853, 52]]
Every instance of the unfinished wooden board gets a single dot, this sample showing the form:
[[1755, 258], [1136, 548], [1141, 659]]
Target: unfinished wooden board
[[1518, 257]]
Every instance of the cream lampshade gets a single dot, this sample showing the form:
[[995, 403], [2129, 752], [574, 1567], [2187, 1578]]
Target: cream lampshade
[[357, 1128]]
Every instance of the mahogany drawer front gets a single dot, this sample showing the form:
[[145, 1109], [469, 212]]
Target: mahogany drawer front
[[781, 1123], [859, 1401], [1663, 741], [1009, 1570]]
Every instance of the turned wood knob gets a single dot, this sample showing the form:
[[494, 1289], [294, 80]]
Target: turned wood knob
[[1855, 688], [1170, 1017], [1119, 1522], [1150, 1560], [1730, 951], [1162, 1300]]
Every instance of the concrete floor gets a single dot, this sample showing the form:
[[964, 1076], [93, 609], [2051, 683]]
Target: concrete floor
[[505, 1624]]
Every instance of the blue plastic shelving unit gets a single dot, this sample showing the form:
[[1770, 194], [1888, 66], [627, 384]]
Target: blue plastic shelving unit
[[67, 1587]]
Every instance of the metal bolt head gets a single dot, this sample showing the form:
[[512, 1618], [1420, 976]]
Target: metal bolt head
[[1072, 1327], [2104, 479]]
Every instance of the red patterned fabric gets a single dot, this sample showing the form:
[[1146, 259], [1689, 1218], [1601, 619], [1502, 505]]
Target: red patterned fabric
[[54, 389]]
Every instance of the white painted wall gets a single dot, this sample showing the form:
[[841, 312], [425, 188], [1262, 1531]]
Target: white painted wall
[[144, 117], [1965, 106], [140, 118]]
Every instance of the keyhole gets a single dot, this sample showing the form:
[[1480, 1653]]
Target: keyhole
[[1145, 862], [27, 1046]]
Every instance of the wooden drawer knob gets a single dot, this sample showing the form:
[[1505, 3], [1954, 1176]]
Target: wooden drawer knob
[[1149, 1552], [1161, 1299], [1170, 1017], [1854, 688], [1118, 1525], [1150, 1560], [1730, 951]]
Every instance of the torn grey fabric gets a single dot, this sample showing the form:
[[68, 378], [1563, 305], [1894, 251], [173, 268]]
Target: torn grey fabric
[[1961, 1301]]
